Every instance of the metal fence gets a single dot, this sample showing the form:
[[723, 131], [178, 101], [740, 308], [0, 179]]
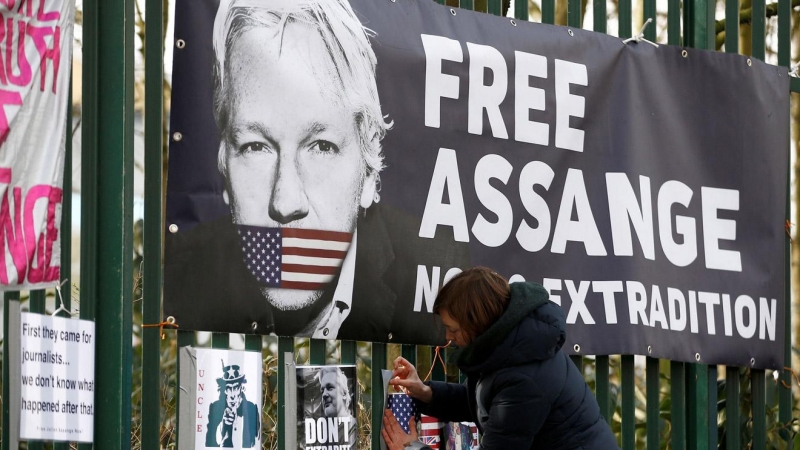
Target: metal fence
[[688, 396]]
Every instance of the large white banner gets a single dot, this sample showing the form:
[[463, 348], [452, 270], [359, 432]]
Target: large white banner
[[35, 55]]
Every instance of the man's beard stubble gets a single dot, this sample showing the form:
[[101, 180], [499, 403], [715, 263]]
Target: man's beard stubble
[[290, 299]]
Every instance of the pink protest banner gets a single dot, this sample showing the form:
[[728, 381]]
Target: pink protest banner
[[35, 55]]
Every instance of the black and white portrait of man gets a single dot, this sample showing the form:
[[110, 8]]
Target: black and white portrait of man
[[327, 406], [308, 247]]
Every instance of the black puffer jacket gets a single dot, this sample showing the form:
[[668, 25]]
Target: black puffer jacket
[[522, 391]]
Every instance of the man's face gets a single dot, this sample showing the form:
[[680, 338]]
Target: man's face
[[233, 395], [331, 401], [292, 151]]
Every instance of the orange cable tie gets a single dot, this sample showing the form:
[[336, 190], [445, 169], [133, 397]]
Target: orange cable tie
[[437, 354]]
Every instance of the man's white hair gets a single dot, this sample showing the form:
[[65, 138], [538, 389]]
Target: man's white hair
[[341, 382], [346, 41]]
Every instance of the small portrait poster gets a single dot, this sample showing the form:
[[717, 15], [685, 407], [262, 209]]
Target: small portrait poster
[[326, 407], [228, 399]]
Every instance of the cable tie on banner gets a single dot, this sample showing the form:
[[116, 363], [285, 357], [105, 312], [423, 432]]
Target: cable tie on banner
[[60, 301], [789, 231], [169, 323], [640, 37], [438, 355]]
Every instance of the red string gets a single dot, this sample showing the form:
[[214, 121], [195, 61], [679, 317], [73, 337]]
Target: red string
[[438, 355], [794, 375], [161, 325]]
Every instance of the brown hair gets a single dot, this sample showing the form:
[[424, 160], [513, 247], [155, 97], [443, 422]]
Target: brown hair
[[475, 299]]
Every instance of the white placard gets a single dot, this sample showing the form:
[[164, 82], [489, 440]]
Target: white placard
[[228, 399], [57, 378]]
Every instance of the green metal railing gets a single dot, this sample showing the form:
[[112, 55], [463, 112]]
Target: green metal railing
[[106, 247]]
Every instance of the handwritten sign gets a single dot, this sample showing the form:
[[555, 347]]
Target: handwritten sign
[[57, 378]]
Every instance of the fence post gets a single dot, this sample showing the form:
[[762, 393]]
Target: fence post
[[108, 93], [153, 229]]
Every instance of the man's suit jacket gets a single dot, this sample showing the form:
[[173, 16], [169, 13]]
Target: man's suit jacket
[[208, 287], [251, 423]]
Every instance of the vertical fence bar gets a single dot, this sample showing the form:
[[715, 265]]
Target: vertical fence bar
[[348, 352], [66, 226], [677, 376], [711, 412], [220, 340], [653, 403], [758, 388], [758, 25], [699, 31], [37, 301], [8, 297], [697, 405], [785, 395], [600, 16], [285, 345], [89, 172], [409, 352], [731, 26], [466, 4], [574, 13], [494, 7], [732, 428], [625, 17], [649, 12], [674, 22], [601, 387], [578, 361], [521, 9], [549, 11], [153, 229], [378, 363], [316, 351], [437, 368], [111, 64], [628, 409], [37, 305], [252, 342]]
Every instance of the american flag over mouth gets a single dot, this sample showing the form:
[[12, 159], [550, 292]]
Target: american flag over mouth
[[293, 258]]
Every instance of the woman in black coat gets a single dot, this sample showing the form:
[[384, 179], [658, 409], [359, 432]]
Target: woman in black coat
[[522, 391]]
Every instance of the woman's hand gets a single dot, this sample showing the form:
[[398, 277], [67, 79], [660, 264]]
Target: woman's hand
[[405, 375], [394, 435]]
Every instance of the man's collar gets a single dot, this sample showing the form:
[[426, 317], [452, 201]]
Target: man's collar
[[337, 312]]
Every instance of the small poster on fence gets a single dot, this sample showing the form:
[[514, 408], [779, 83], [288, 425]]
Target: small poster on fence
[[326, 408], [57, 378], [228, 399]]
